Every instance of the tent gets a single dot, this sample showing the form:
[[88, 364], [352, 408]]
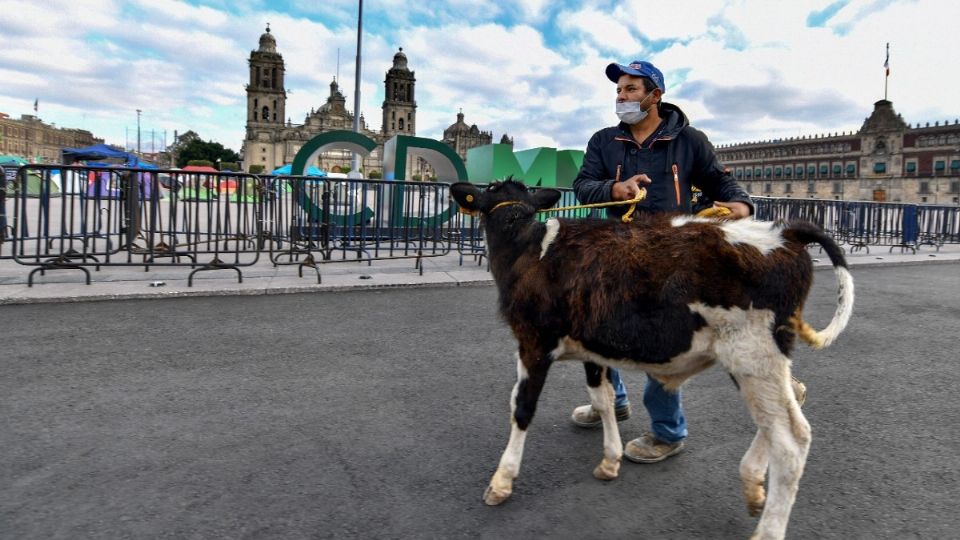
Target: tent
[[34, 184], [6, 160], [288, 168], [284, 186], [193, 188], [95, 152], [10, 165]]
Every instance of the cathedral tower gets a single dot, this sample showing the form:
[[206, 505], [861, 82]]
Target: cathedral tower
[[399, 106], [266, 97]]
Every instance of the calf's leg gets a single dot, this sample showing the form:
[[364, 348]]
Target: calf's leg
[[601, 393], [531, 374], [785, 435]]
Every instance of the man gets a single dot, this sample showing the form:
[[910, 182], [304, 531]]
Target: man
[[654, 146]]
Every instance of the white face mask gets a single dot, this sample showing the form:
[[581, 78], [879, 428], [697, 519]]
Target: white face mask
[[631, 112]]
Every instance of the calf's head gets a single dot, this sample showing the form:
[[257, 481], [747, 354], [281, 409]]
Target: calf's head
[[508, 198]]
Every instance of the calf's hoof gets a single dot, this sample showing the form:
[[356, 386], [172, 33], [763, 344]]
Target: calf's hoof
[[756, 499], [608, 469], [493, 497]]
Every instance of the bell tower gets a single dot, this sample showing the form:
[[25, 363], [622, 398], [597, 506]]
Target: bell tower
[[266, 96], [399, 105]]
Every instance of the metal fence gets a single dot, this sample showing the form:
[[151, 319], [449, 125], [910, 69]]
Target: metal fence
[[863, 224], [67, 217]]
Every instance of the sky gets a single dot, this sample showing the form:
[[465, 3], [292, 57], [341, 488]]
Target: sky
[[742, 70]]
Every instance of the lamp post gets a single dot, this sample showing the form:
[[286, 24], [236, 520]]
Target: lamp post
[[218, 164], [356, 87], [138, 132]]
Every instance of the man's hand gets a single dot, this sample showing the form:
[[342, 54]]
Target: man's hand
[[630, 188], [738, 210]]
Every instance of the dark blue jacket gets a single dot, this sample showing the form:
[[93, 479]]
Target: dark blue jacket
[[676, 157]]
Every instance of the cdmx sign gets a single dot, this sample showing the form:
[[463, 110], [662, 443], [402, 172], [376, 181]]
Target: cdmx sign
[[544, 167]]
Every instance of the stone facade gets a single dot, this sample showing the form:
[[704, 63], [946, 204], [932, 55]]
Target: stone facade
[[462, 137], [272, 142], [885, 160], [32, 139]]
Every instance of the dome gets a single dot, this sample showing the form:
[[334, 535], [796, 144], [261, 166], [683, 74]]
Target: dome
[[267, 42], [400, 60]]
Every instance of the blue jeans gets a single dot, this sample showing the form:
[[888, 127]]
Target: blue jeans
[[666, 413]]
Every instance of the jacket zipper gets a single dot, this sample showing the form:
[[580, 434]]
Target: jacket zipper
[[676, 183]]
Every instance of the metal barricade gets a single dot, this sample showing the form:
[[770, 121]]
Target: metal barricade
[[69, 217], [323, 220], [938, 225]]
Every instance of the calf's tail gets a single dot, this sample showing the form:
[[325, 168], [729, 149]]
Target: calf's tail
[[805, 233]]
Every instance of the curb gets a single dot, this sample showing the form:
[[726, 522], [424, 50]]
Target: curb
[[822, 265]]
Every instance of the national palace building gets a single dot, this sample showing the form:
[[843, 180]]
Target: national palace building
[[886, 160], [34, 140]]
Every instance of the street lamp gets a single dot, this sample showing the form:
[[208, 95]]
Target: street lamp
[[218, 164], [138, 131]]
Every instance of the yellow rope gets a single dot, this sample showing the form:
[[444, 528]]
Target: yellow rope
[[627, 217]]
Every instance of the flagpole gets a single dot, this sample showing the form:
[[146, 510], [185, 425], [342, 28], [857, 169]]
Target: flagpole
[[886, 77]]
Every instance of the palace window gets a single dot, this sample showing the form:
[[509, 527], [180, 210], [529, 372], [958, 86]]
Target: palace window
[[811, 187], [955, 187], [911, 166], [940, 165], [768, 187], [778, 172], [838, 187], [768, 172], [955, 165], [925, 188], [880, 167], [788, 188], [824, 169]]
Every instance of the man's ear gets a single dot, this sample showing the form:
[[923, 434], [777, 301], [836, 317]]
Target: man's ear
[[467, 196], [545, 198]]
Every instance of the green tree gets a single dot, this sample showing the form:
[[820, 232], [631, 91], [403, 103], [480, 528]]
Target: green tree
[[191, 147]]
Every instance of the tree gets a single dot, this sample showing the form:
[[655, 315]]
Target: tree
[[191, 147]]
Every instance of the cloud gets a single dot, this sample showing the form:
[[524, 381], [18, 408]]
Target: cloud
[[533, 69]]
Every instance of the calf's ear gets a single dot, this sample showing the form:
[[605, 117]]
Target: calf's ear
[[467, 196], [545, 198]]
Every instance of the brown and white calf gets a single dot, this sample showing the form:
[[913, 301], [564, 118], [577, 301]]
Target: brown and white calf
[[669, 295]]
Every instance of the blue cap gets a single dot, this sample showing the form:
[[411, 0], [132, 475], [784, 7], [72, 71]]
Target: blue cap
[[637, 68]]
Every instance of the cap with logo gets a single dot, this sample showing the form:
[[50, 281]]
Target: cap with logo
[[637, 68]]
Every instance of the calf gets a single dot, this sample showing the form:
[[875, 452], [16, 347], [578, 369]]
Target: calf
[[669, 295]]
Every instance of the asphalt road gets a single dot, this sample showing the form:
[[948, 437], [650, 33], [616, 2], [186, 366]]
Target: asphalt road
[[382, 414]]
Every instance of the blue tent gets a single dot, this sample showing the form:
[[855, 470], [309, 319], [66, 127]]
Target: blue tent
[[286, 169], [95, 152]]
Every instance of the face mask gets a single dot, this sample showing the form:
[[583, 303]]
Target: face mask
[[631, 112]]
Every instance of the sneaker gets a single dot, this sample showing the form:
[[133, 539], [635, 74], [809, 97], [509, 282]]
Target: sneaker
[[586, 416], [649, 449]]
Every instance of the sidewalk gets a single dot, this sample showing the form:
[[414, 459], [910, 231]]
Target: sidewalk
[[264, 278]]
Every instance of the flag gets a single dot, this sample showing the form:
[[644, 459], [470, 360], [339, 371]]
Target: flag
[[886, 63], [36, 101]]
